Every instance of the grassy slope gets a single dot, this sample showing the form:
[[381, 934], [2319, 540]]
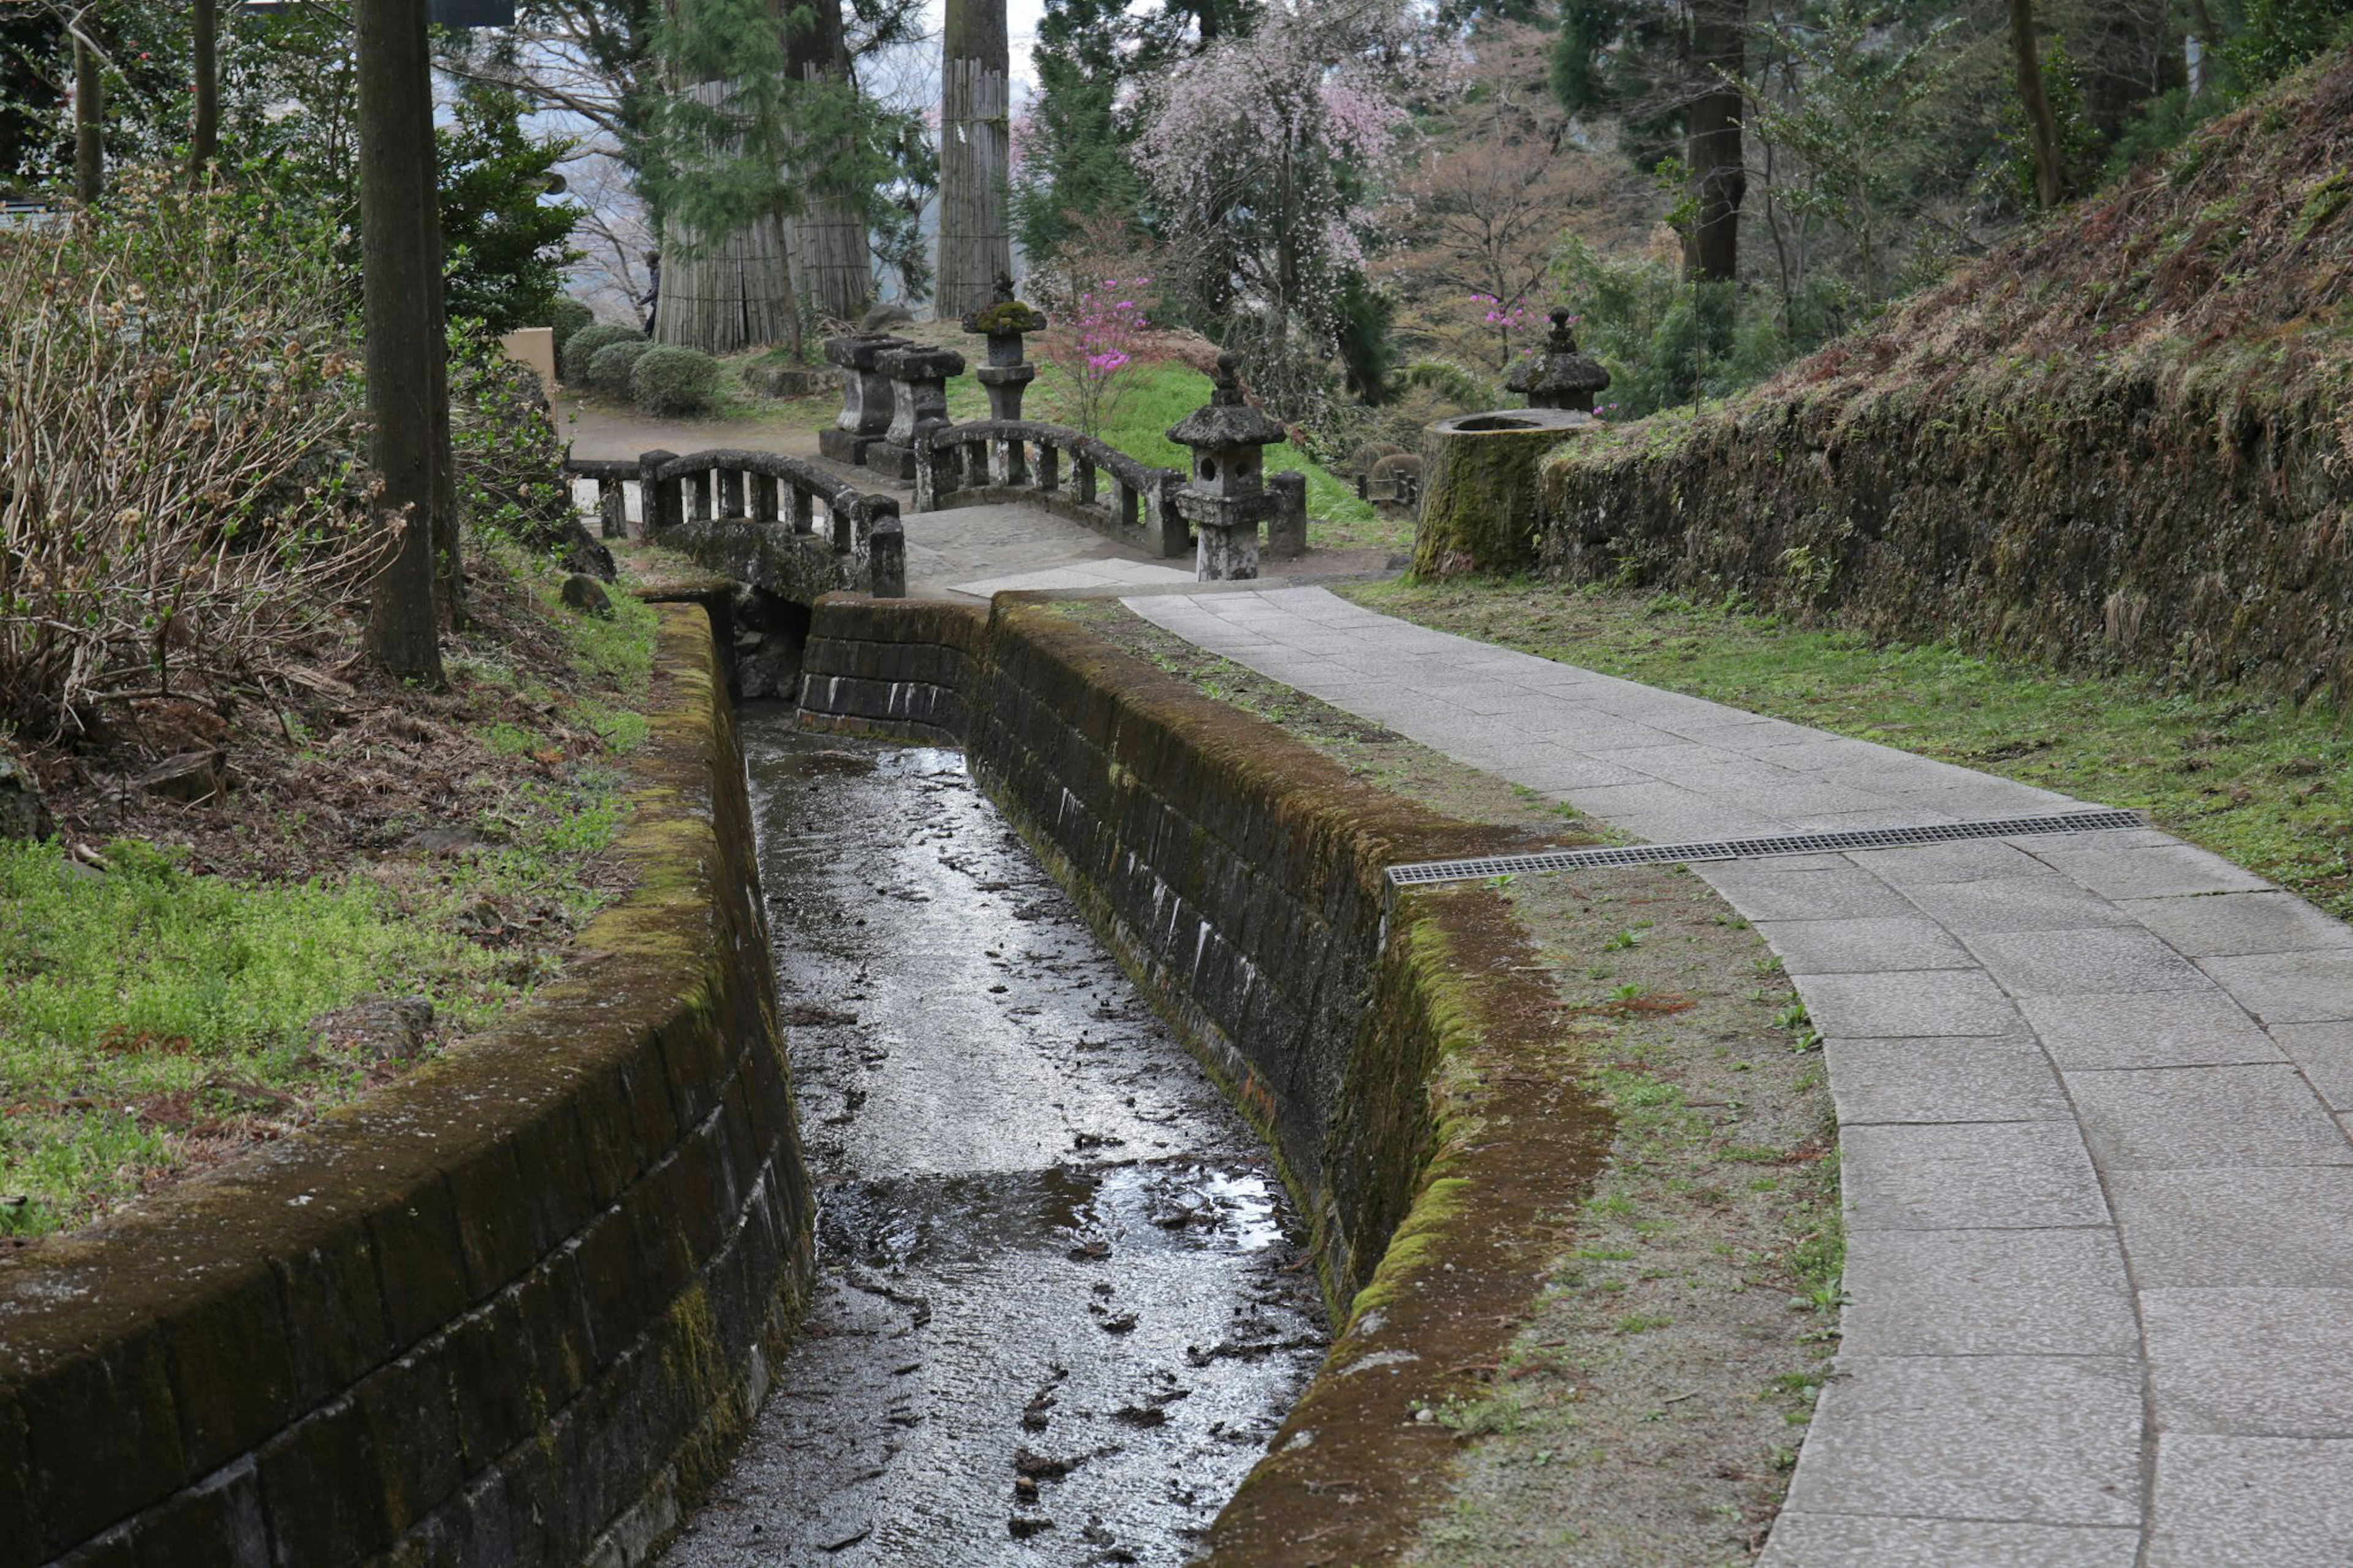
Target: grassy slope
[[2223, 265], [152, 1019], [2258, 781]]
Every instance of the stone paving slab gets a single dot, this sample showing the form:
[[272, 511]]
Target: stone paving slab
[[1962, 1079], [1835, 1541], [1989, 1292], [2251, 1502], [2021, 1440], [2092, 1091]]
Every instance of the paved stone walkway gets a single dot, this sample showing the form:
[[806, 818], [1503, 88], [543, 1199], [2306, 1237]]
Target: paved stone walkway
[[2090, 1089]]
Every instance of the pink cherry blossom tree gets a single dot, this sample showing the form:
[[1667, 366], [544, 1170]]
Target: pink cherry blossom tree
[[1095, 345], [1270, 153]]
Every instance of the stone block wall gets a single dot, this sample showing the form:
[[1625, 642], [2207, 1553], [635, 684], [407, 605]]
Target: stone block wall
[[509, 1310], [1238, 875]]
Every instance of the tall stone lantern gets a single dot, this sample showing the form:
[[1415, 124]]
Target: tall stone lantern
[[865, 396], [1006, 375], [1226, 495], [1558, 376]]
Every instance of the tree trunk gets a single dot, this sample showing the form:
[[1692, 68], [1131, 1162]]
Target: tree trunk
[[733, 295], [399, 275], [830, 244], [976, 246], [2042, 126], [1719, 173], [90, 119], [448, 557], [204, 135], [1484, 489], [737, 294]]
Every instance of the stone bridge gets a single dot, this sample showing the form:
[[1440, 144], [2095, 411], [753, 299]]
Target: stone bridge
[[919, 506]]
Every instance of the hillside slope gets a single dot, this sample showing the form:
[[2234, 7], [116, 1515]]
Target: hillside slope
[[2125, 438]]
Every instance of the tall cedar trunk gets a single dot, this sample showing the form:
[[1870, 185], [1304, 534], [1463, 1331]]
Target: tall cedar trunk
[[399, 270], [1719, 176], [730, 294], [2049, 178], [90, 119], [448, 560], [204, 135], [976, 246], [830, 244]]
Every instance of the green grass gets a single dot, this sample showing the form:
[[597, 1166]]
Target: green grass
[[2259, 780], [1161, 394], [145, 1012], [144, 1002]]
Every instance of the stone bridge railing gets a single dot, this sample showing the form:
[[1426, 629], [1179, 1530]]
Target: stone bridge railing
[[765, 490], [1053, 467]]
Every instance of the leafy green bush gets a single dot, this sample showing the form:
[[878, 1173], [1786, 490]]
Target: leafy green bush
[[609, 370], [567, 316], [572, 361], [510, 459], [669, 379]]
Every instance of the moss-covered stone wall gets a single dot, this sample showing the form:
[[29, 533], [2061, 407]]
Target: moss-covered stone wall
[[509, 1310], [2124, 439]]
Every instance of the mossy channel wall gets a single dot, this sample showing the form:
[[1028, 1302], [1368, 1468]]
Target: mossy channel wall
[[509, 1310], [1378, 1041]]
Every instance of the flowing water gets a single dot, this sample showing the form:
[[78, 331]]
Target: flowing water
[[1061, 1302]]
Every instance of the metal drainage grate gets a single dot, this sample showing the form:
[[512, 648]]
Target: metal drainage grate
[[2106, 819]]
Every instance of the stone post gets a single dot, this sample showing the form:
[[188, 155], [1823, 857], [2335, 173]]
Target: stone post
[[919, 399], [886, 550], [865, 396], [1286, 522], [613, 508], [1227, 495], [663, 501]]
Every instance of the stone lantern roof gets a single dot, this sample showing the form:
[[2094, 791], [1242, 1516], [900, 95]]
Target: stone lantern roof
[[1559, 376], [1225, 421]]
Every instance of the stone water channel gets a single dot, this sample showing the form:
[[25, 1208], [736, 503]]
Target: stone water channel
[[1062, 1302]]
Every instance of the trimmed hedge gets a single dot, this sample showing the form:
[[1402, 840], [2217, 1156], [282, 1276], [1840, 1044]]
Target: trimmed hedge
[[609, 368], [573, 359], [669, 379]]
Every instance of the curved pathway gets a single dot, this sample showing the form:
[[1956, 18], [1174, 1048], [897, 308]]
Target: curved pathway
[[2098, 1187]]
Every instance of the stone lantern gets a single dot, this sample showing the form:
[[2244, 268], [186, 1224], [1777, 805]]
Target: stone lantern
[[865, 396], [919, 400], [1559, 376], [1002, 322], [1226, 495]]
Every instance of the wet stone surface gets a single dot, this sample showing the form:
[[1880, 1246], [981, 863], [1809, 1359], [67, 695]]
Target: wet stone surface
[[1061, 1304]]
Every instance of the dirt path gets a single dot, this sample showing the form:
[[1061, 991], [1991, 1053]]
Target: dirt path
[[599, 429]]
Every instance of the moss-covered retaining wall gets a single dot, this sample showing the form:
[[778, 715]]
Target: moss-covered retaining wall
[[1382, 1044], [509, 1310], [2125, 439]]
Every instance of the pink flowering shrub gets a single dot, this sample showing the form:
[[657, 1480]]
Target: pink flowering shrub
[[1095, 343]]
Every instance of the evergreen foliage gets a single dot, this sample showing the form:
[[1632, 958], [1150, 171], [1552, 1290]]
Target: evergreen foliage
[[566, 315], [611, 368], [580, 349], [668, 380]]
